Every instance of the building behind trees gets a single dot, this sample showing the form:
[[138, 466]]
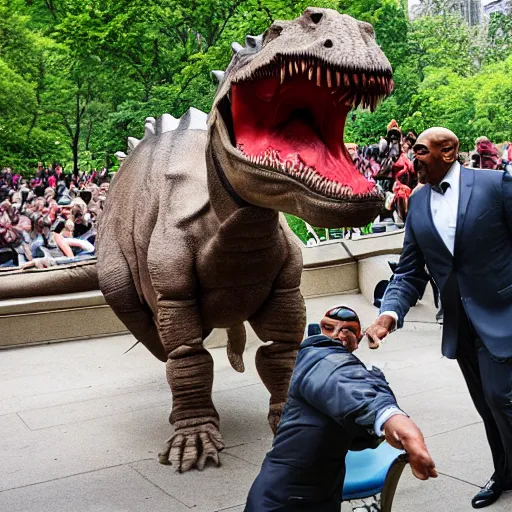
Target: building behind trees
[[470, 10]]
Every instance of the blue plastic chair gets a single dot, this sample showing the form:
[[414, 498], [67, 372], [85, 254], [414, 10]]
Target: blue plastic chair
[[374, 472], [313, 329]]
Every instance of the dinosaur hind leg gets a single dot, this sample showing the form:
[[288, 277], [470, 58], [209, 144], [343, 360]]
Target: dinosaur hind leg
[[281, 320], [117, 285], [189, 367]]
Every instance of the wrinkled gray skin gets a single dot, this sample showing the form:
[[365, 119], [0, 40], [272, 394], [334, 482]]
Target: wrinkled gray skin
[[189, 243]]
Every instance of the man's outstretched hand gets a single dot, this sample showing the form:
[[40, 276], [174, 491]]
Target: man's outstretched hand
[[402, 433], [379, 330]]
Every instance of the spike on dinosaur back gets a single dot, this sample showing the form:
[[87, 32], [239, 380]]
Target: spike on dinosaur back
[[236, 47], [193, 119], [120, 155], [149, 126], [133, 143], [219, 75], [254, 41]]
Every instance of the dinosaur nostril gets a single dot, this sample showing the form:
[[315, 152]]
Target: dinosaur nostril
[[328, 43], [316, 17]]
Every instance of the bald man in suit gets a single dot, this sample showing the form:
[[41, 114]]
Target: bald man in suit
[[460, 227]]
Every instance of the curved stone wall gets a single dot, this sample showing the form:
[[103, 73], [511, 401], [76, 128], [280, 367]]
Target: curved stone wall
[[346, 266], [63, 303]]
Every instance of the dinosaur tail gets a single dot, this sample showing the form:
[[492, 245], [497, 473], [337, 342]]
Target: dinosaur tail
[[236, 346]]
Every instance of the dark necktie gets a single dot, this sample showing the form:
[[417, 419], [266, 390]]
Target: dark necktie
[[441, 188]]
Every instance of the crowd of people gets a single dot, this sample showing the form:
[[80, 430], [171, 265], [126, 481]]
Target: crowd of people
[[51, 218], [390, 164]]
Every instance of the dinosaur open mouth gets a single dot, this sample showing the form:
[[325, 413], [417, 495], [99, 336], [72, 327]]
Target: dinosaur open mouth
[[290, 117]]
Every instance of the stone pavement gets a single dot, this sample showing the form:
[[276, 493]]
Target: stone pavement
[[81, 424]]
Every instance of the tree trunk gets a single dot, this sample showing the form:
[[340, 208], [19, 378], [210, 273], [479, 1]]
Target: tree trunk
[[75, 156], [39, 87], [76, 137], [88, 137]]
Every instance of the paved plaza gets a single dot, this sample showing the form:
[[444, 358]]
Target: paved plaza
[[81, 424]]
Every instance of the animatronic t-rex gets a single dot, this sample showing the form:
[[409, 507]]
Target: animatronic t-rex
[[189, 243]]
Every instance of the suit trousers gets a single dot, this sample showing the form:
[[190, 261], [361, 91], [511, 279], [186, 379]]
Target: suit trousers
[[489, 381]]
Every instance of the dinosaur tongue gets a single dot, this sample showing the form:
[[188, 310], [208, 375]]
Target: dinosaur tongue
[[298, 124]]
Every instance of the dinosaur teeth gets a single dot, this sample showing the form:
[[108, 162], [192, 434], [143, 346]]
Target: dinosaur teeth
[[283, 72], [303, 65], [290, 68], [319, 76], [328, 77], [338, 79], [310, 73], [294, 166]]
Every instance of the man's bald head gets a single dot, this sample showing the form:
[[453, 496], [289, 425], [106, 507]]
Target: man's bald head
[[435, 151], [438, 134]]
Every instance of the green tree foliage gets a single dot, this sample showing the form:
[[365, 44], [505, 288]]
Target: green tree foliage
[[77, 78], [441, 79]]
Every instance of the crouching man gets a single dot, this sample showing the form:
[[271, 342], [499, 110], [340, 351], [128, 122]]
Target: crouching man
[[335, 404]]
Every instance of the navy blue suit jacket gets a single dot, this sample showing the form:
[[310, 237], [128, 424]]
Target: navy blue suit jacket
[[478, 277]]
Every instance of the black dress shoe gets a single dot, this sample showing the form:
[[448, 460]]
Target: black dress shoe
[[487, 495]]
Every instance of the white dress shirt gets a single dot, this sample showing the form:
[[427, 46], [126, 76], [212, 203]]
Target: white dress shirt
[[444, 208], [384, 416]]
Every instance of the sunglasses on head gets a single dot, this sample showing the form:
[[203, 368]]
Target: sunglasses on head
[[342, 313]]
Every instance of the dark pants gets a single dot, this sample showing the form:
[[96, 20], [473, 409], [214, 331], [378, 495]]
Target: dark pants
[[490, 385]]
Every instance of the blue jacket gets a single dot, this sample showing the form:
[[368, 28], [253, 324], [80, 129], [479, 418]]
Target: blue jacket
[[332, 405], [478, 277]]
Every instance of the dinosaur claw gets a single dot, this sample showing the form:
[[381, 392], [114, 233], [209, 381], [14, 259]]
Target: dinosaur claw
[[192, 447], [210, 450]]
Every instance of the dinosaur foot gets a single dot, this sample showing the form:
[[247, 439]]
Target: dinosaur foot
[[371, 504], [192, 445], [274, 415]]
